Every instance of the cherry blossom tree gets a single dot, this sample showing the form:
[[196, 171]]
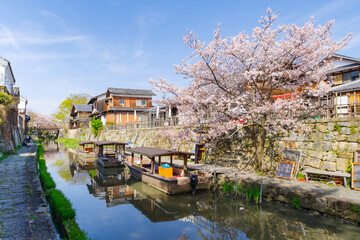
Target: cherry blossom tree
[[235, 78], [40, 120]]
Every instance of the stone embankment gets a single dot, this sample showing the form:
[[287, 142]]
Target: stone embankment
[[336, 201], [24, 213]]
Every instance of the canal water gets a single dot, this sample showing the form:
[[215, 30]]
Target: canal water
[[110, 204]]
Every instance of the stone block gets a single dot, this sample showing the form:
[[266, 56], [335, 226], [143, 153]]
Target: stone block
[[313, 162], [326, 146], [346, 155], [331, 156], [341, 138], [343, 146], [330, 126], [301, 137], [322, 128], [354, 137], [315, 154], [345, 130], [315, 137], [329, 166], [341, 164], [343, 124], [329, 136], [316, 145], [353, 146]]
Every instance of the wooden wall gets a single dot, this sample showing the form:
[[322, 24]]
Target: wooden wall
[[131, 102], [115, 117]]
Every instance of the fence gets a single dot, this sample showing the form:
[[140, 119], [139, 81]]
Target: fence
[[158, 122]]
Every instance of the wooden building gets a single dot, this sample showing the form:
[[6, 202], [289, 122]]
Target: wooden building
[[80, 116], [118, 105], [343, 99]]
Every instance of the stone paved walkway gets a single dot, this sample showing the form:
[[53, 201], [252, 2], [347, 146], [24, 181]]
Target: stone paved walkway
[[17, 215]]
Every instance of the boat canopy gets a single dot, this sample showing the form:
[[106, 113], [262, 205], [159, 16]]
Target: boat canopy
[[151, 153], [157, 152], [86, 142], [102, 143]]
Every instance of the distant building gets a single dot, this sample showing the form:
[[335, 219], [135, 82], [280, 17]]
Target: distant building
[[80, 116], [118, 105]]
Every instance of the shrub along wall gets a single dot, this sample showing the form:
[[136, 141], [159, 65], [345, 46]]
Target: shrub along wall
[[62, 212]]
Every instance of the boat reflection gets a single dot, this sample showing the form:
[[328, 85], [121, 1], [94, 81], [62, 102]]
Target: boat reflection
[[110, 184]]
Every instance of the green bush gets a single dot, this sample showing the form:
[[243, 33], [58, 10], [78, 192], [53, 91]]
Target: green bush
[[42, 161], [46, 179], [96, 125], [301, 176], [73, 230], [60, 205], [5, 99]]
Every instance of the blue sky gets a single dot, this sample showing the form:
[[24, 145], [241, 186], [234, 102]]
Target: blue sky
[[62, 47]]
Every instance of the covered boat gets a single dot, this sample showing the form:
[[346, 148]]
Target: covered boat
[[170, 179], [110, 153], [86, 153]]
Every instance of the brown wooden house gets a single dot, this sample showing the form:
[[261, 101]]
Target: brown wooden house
[[118, 105], [80, 116]]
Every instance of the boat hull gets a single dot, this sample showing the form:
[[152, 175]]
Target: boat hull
[[109, 163], [86, 159], [174, 185]]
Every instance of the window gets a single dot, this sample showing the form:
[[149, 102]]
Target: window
[[122, 101], [351, 76], [141, 102]]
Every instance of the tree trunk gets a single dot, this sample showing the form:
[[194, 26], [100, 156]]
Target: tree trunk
[[260, 146]]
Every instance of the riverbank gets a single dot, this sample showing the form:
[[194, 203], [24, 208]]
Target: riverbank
[[24, 212], [336, 201]]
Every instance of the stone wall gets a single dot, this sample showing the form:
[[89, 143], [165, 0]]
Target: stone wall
[[150, 137], [10, 134], [327, 200], [329, 146]]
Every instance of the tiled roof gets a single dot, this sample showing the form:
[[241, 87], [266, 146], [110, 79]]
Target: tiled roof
[[124, 91], [83, 108], [344, 68], [346, 87]]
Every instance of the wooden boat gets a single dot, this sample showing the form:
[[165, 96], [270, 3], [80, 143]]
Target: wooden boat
[[110, 153], [172, 180], [86, 153]]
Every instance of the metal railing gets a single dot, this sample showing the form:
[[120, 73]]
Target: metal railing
[[159, 122]]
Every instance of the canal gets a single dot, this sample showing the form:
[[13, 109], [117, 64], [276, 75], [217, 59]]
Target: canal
[[110, 204]]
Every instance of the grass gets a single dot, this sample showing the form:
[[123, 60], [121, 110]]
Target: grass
[[295, 202], [251, 193], [61, 208], [69, 142], [60, 205], [355, 208], [228, 187], [73, 230]]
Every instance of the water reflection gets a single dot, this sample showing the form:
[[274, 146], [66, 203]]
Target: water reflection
[[125, 207]]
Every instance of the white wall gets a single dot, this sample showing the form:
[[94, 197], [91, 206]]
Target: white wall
[[103, 119]]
